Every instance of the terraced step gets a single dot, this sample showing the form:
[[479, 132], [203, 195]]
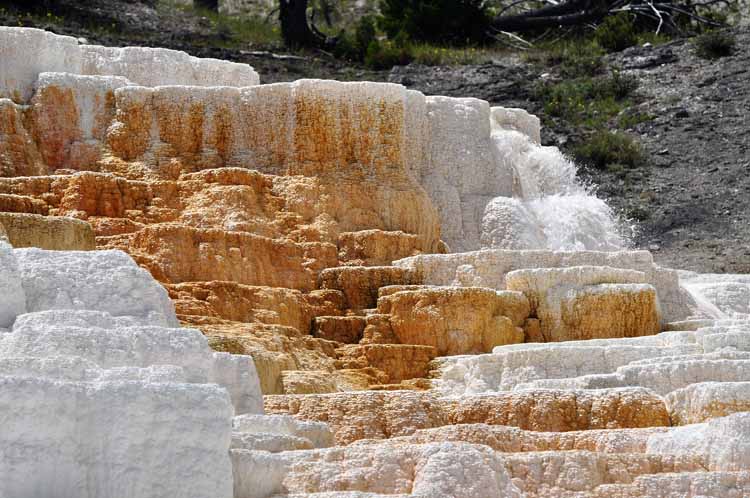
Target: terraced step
[[344, 329], [366, 415], [360, 284]]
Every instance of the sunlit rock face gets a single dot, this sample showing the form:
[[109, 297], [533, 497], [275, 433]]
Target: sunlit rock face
[[490, 268], [423, 299], [47, 232], [95, 382], [578, 302], [27, 52]]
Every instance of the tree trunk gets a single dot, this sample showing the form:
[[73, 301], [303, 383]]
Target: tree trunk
[[571, 13], [295, 28]]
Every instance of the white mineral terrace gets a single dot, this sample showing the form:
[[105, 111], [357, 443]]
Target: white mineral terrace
[[568, 365]]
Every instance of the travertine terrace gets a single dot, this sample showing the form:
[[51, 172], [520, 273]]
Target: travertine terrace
[[211, 287]]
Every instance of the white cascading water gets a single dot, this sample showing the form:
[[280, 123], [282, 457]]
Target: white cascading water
[[550, 207]]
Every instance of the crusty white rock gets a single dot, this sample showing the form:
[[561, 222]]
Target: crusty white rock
[[118, 342], [238, 375], [725, 442], [721, 296], [508, 367], [508, 118], [457, 470], [703, 401], [160, 66], [101, 406], [667, 363], [27, 52], [662, 377], [113, 439], [264, 441], [12, 294], [459, 141], [107, 281], [317, 433]]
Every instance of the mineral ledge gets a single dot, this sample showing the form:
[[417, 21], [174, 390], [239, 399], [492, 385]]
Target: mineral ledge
[[212, 288]]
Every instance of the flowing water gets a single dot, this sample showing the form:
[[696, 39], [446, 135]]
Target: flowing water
[[551, 208]]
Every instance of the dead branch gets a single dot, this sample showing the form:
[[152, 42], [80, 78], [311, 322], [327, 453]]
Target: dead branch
[[663, 15]]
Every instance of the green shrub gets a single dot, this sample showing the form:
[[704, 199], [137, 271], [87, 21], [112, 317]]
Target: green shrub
[[428, 55], [353, 46], [346, 48], [431, 55], [385, 55], [616, 33], [232, 31], [580, 58], [437, 21], [248, 30], [714, 44], [364, 35], [630, 119], [588, 101], [605, 148], [564, 99], [617, 85]]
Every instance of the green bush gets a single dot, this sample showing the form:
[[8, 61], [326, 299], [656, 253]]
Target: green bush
[[579, 58], [231, 31], [437, 21], [385, 55], [427, 55], [364, 35], [564, 99], [617, 85], [629, 120], [346, 48], [588, 101], [605, 148], [431, 55], [353, 46], [616, 33], [714, 44]]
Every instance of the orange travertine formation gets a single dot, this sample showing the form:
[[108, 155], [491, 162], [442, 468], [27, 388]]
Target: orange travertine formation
[[304, 224]]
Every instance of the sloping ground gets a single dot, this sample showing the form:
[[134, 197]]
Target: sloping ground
[[306, 229], [696, 192]]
